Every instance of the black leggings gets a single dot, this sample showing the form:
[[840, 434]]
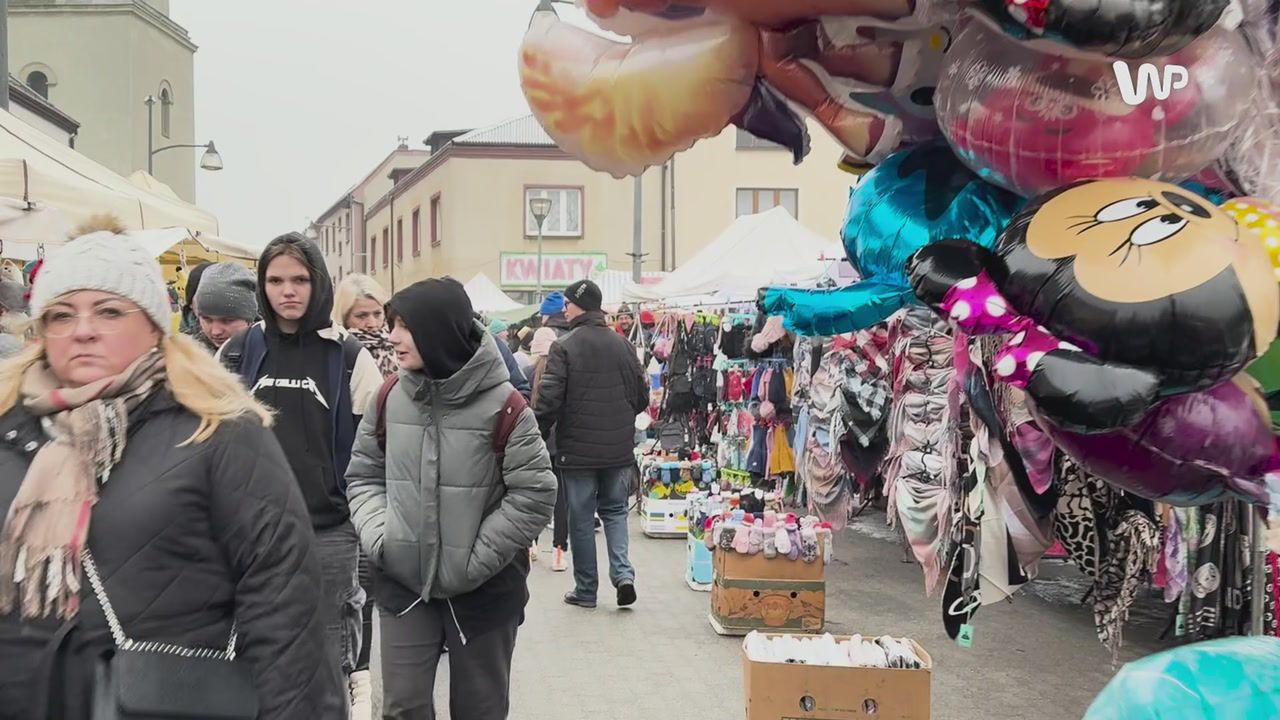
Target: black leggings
[[560, 533], [366, 624]]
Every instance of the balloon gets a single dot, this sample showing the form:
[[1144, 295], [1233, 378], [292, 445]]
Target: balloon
[[1235, 678], [1033, 117], [914, 198], [623, 107], [1158, 292], [865, 71], [1123, 28], [1263, 220]]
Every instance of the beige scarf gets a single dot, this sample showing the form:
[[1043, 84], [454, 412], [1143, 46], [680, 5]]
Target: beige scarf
[[48, 523]]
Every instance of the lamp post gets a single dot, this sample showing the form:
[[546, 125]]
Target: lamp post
[[540, 208], [211, 160]]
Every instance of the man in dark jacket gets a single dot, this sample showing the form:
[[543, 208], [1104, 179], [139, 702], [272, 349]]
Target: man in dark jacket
[[591, 392], [447, 505], [318, 379]]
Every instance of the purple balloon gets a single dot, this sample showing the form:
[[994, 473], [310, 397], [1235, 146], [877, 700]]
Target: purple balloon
[[1189, 450]]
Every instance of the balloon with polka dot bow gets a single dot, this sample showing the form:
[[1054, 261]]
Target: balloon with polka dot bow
[[1261, 219], [1130, 308]]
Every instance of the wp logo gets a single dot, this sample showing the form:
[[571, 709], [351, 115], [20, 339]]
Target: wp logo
[[1134, 92]]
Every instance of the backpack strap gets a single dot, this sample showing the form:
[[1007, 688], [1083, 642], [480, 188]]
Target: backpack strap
[[380, 425], [233, 351], [508, 418], [351, 348]]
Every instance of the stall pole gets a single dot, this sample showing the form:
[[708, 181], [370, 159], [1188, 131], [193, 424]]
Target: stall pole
[[1258, 536]]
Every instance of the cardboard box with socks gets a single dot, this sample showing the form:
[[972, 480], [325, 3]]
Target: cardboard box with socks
[[752, 592]]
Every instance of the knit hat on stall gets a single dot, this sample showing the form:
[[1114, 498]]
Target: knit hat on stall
[[553, 304], [104, 259], [584, 294], [228, 290], [12, 295]]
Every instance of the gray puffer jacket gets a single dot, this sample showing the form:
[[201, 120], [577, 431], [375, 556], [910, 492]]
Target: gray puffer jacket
[[434, 512]]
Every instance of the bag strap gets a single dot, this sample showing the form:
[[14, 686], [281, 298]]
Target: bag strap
[[508, 418], [123, 641], [380, 425]]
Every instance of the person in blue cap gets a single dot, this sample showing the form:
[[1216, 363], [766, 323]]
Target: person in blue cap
[[552, 312]]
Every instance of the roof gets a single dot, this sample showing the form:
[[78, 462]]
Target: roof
[[521, 132], [31, 100]]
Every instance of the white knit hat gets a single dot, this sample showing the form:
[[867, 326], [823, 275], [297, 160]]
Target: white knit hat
[[107, 262]]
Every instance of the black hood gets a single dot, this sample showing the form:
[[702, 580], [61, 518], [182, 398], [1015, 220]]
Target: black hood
[[439, 316], [319, 313]]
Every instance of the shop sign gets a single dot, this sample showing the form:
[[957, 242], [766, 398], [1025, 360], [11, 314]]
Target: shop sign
[[519, 271]]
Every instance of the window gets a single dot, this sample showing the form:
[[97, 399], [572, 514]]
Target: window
[[437, 235], [166, 105], [386, 246], [417, 232], [39, 82], [565, 219], [752, 201], [373, 254], [399, 240], [747, 141]]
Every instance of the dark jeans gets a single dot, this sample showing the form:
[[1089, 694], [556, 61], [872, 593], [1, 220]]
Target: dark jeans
[[560, 521], [605, 492], [479, 671], [339, 550]]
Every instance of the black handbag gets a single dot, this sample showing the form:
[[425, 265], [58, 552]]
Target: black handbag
[[159, 681]]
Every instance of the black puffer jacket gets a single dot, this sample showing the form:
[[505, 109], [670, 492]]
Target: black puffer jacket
[[591, 392], [184, 537]]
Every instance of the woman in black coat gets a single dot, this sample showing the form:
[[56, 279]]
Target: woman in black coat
[[118, 436]]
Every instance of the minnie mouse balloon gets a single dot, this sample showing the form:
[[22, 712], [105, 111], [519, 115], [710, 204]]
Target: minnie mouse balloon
[[1036, 116], [1123, 28], [1129, 305]]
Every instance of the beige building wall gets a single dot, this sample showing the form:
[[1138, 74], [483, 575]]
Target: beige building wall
[[481, 195], [103, 60]]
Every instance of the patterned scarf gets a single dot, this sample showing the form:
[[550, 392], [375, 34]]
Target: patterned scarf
[[378, 343], [1134, 547], [48, 522]]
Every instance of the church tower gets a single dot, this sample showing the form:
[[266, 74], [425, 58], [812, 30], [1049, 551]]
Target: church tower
[[99, 61]]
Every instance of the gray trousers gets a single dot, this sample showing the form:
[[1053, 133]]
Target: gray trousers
[[479, 671], [342, 597]]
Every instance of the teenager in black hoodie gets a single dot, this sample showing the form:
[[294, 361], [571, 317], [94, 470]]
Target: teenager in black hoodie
[[318, 379]]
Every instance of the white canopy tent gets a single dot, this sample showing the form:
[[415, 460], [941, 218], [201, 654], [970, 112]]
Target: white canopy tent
[[35, 168], [486, 297], [613, 284], [770, 248]]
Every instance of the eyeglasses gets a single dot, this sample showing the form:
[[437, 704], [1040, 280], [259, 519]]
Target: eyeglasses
[[105, 320]]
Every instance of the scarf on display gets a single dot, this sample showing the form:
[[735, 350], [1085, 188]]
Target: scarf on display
[[378, 343], [920, 469], [1214, 605], [1084, 503], [48, 522], [1133, 547]]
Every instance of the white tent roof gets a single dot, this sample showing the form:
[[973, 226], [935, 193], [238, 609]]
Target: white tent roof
[[613, 284], [771, 248], [486, 297], [36, 168]]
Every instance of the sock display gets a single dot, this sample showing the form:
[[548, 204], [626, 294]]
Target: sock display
[[857, 651], [793, 537], [808, 540]]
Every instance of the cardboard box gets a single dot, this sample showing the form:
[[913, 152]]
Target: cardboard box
[[752, 592], [664, 518], [776, 691]]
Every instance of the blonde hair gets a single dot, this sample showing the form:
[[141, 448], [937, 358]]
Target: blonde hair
[[198, 382], [352, 289]]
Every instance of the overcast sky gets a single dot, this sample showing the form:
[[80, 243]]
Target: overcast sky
[[303, 98]]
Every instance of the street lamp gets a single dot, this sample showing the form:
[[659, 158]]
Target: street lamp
[[211, 160], [541, 208]]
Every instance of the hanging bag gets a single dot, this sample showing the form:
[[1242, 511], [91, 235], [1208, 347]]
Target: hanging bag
[[154, 681]]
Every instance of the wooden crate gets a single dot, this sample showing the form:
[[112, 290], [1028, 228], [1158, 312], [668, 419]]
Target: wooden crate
[[751, 592]]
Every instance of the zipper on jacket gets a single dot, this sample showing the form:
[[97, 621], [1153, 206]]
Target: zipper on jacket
[[461, 635]]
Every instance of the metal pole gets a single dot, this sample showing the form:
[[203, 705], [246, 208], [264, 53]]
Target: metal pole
[[539, 297], [637, 241], [4, 55], [662, 204], [1258, 570]]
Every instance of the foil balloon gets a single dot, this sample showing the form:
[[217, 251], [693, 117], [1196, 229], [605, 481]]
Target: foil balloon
[[865, 70], [1235, 678], [1131, 308], [1034, 117], [914, 198], [1122, 28], [623, 107]]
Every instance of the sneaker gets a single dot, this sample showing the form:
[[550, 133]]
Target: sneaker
[[571, 598], [533, 552], [598, 525], [361, 684], [626, 594], [559, 560]]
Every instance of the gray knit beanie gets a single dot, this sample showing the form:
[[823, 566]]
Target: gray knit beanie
[[227, 290], [109, 263], [12, 296]]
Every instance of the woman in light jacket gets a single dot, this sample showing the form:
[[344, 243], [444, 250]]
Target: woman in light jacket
[[120, 437]]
